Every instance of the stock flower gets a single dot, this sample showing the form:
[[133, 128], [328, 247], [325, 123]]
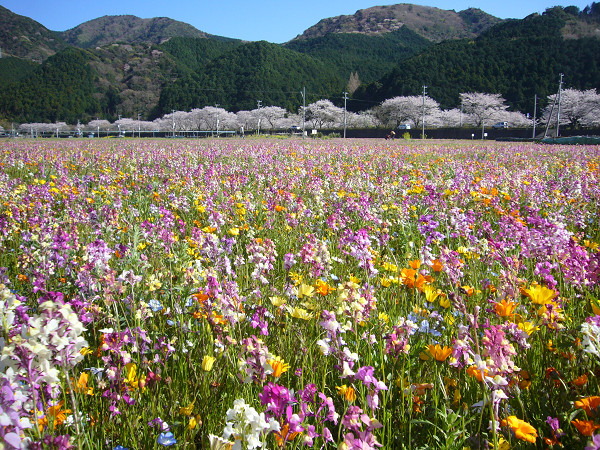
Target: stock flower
[[585, 427], [522, 429], [208, 362]]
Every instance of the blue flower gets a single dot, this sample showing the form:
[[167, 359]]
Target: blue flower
[[167, 439], [155, 305], [120, 447]]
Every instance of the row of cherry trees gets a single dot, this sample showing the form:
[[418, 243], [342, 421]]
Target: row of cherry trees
[[578, 108]]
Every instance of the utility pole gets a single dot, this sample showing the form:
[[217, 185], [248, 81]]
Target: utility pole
[[173, 117], [303, 111], [217, 112], [139, 126], [424, 93], [258, 103], [559, 95], [461, 112], [345, 99], [534, 114]]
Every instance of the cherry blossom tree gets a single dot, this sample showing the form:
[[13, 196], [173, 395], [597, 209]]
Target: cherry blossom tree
[[482, 109], [102, 125], [398, 110], [323, 114], [577, 108], [270, 116], [451, 118]]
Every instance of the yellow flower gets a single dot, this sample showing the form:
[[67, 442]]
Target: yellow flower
[[279, 366], [299, 313], [595, 303], [445, 302], [505, 308], [305, 290], [540, 295], [234, 231], [277, 301], [431, 293], [82, 387], [194, 422], [187, 410], [323, 288], [131, 377], [207, 363]]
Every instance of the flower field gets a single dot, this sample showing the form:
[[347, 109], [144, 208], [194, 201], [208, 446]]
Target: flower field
[[345, 294]]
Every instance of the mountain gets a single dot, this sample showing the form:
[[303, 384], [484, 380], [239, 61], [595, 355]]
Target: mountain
[[433, 24], [25, 38], [128, 29], [370, 56], [124, 65], [517, 58]]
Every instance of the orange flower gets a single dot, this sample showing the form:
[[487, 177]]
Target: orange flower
[[505, 308], [55, 415], [589, 405], [323, 288], [468, 290], [522, 429], [437, 352], [407, 277], [279, 366], [415, 264], [580, 381], [473, 371], [279, 208], [81, 387], [282, 436], [585, 427], [347, 392], [436, 265]]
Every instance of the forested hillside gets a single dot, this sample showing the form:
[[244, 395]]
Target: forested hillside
[[251, 72], [369, 56], [61, 89]]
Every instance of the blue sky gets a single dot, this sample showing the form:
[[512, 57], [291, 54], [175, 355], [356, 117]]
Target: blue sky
[[270, 20]]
